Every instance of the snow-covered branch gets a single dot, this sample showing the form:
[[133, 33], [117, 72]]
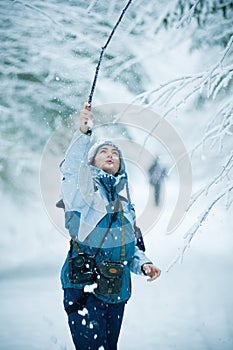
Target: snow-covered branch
[[188, 237], [188, 16], [220, 177]]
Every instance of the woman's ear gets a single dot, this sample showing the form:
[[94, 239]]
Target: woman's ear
[[93, 161]]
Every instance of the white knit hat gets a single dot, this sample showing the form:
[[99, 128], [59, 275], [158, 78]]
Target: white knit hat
[[93, 150]]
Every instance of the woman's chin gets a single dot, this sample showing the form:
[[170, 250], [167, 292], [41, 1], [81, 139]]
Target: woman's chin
[[109, 169]]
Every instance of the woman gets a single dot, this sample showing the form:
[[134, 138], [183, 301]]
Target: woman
[[96, 274]]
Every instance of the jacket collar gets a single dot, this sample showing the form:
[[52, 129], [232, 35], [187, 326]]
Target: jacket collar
[[107, 183]]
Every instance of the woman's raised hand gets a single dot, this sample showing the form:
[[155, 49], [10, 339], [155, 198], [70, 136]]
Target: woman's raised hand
[[86, 118]]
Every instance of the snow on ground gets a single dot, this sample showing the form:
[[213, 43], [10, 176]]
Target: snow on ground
[[189, 307], [31, 315]]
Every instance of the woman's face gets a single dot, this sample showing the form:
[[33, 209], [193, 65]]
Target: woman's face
[[107, 158]]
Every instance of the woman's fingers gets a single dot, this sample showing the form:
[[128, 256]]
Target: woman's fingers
[[87, 106], [86, 120], [152, 271]]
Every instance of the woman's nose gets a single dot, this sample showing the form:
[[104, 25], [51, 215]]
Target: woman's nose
[[109, 155]]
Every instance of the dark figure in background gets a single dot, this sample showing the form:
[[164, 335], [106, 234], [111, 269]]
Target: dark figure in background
[[156, 175]]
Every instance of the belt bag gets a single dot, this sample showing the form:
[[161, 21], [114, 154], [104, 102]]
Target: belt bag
[[109, 277], [81, 268]]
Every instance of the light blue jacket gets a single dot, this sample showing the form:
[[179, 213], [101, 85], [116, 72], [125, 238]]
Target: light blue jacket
[[90, 194]]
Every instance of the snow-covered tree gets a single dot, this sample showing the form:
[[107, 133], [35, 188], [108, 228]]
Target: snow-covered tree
[[49, 51], [209, 25]]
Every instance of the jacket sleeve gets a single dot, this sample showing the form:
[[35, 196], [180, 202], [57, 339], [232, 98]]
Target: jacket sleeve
[[138, 260], [77, 186], [71, 168]]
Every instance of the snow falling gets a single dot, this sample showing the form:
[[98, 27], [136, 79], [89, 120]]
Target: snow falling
[[174, 58]]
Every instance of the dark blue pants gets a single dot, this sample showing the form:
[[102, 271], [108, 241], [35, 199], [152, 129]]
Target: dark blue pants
[[98, 324]]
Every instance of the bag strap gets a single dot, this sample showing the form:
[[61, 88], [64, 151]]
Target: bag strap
[[122, 255], [137, 231], [74, 244], [118, 208]]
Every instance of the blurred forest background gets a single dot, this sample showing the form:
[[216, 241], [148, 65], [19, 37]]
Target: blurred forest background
[[49, 51]]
